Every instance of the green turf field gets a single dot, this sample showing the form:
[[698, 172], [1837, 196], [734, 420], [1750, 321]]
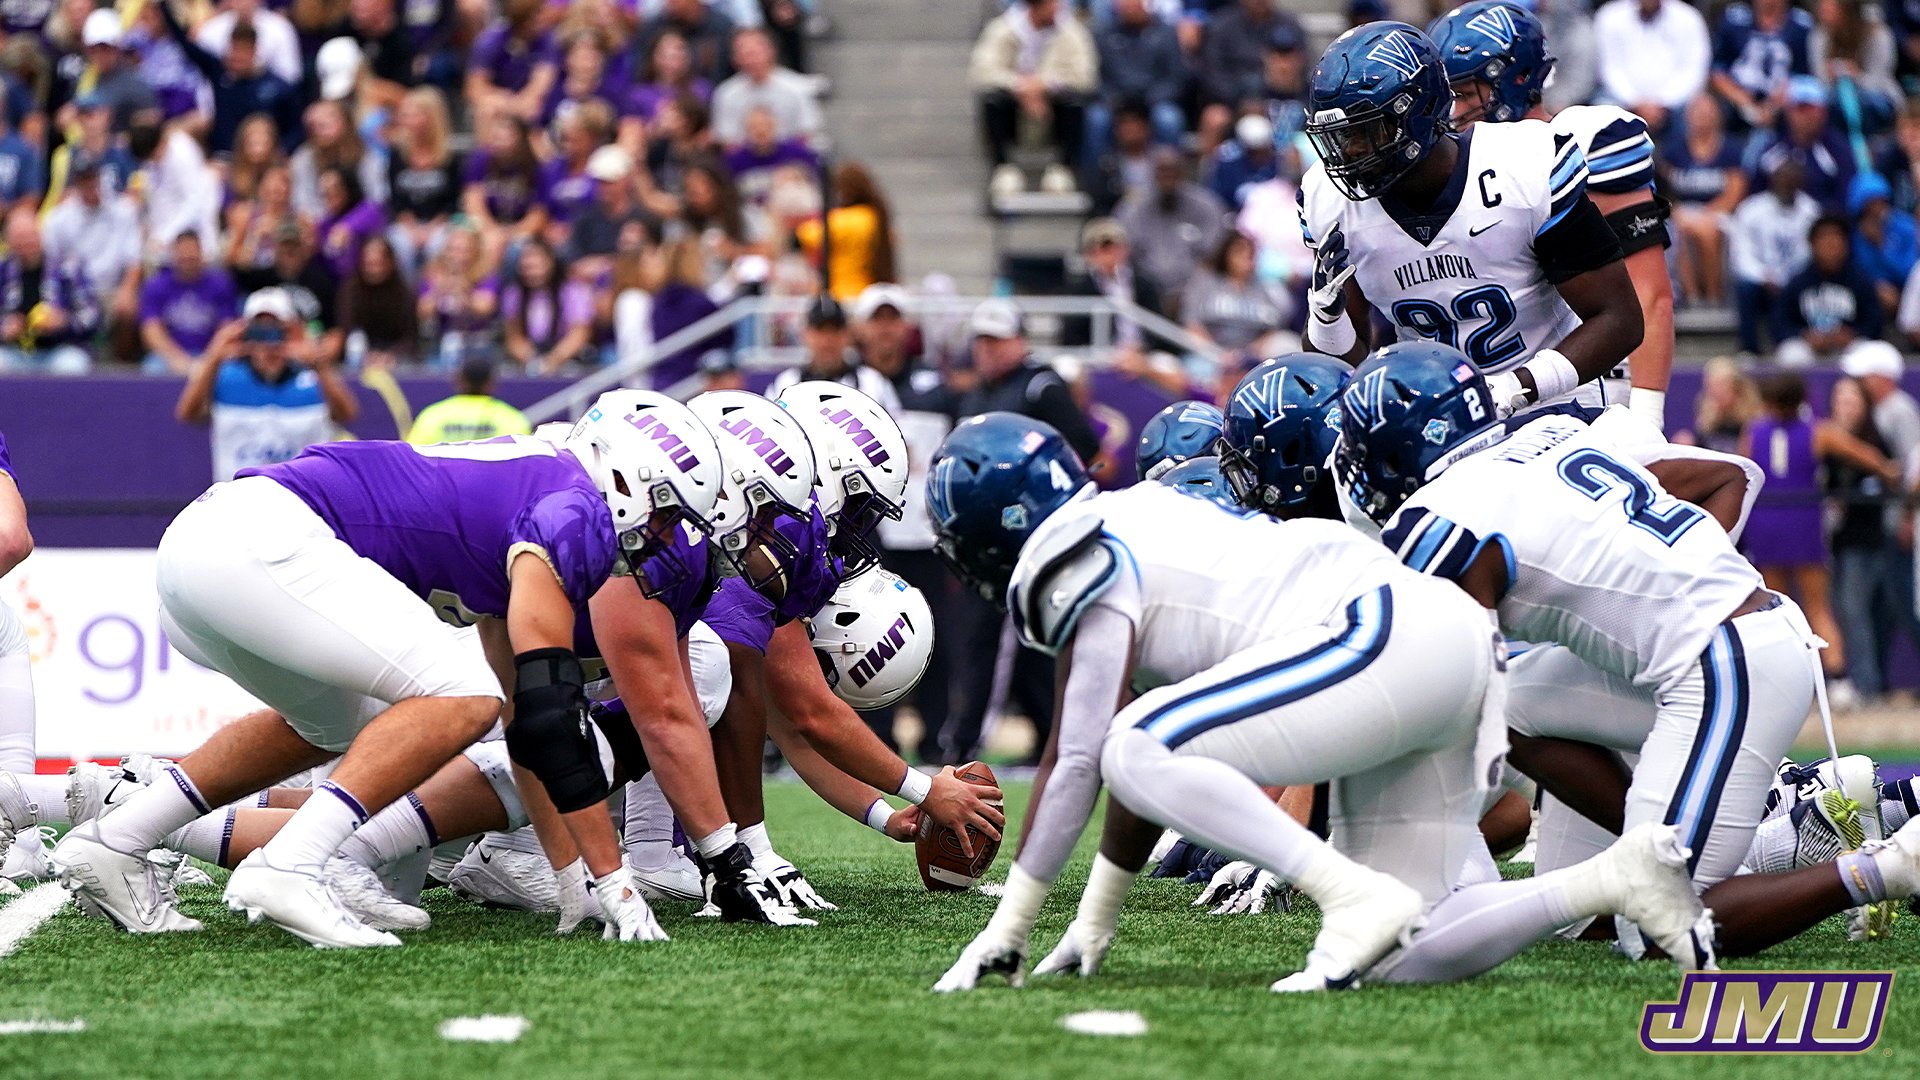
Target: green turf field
[[848, 999]]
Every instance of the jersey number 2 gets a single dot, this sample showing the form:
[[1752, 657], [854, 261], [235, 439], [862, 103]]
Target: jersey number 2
[[1594, 474], [1489, 345]]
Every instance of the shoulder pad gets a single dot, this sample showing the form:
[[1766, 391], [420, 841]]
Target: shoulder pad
[[1064, 568]]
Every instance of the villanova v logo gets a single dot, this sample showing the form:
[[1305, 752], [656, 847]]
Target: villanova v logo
[[1747, 1012], [1397, 52], [1496, 23]]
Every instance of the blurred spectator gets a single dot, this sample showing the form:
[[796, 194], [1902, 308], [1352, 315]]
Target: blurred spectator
[[1727, 401], [182, 305], [163, 65], [1831, 306], [332, 141], [666, 74], [1140, 62], [862, 228], [1864, 481], [350, 219], [761, 83], [300, 277], [831, 357], [337, 70], [1897, 159], [659, 292], [1701, 175], [459, 298], [1654, 56], [95, 124], [1282, 96], [1850, 46], [711, 214], [99, 231], [707, 32], [1111, 272], [595, 237], [1175, 227], [1228, 305], [1766, 246], [241, 86], [423, 176], [502, 186], [1232, 65], [253, 223], [1903, 19], [1242, 161], [391, 63], [378, 312], [1569, 26], [565, 188], [182, 190], [1880, 369], [1271, 217], [472, 413], [1127, 166], [264, 406], [1756, 48], [110, 70], [549, 320], [1885, 243], [1808, 140], [47, 312], [1038, 62], [678, 138], [754, 161], [513, 62], [23, 169], [583, 78], [278, 43], [256, 148]]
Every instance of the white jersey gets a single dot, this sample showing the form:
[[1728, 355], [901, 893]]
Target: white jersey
[[1201, 583], [1600, 558], [1467, 275], [1615, 142]]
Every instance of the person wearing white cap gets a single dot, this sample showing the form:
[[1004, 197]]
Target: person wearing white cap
[[115, 81], [337, 66], [595, 236], [1248, 158], [278, 45]]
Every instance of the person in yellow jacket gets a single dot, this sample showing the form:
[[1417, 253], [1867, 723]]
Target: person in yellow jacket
[[471, 413]]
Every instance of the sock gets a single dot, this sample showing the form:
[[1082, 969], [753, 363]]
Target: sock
[[648, 833], [1861, 874], [400, 830], [48, 794], [1898, 803], [1774, 843], [718, 841], [316, 831], [406, 876], [755, 837], [147, 816], [1478, 928], [205, 838]]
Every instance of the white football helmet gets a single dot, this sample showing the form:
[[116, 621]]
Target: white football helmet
[[861, 457], [654, 462], [874, 639], [767, 472]]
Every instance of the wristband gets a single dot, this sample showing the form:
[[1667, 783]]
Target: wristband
[[915, 786], [1554, 375], [755, 837], [1336, 338], [878, 815], [1651, 404], [712, 845]]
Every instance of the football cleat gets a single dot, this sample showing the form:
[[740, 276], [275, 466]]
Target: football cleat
[[93, 789], [496, 874], [26, 860], [1359, 923], [1835, 807], [18, 815], [1645, 873], [126, 888], [360, 891], [679, 879], [300, 904]]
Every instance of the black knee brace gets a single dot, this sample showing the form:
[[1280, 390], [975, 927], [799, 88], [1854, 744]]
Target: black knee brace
[[551, 735]]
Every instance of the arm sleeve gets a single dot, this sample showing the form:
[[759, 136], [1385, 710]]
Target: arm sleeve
[[1096, 676], [1432, 544], [1621, 157], [1578, 241], [1048, 399]]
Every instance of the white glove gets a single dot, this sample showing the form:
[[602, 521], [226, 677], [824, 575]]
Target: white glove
[[624, 910], [1241, 888], [993, 951], [1327, 292], [1509, 394], [577, 903], [1080, 952], [789, 884]]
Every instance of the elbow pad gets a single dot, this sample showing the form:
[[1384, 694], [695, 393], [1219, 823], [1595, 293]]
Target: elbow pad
[[552, 736]]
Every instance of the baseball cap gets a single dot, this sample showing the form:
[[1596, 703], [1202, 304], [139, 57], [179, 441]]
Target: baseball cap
[[338, 64], [1806, 90], [995, 318], [1253, 131], [610, 164], [879, 295], [1872, 358], [101, 28], [270, 303], [1100, 232], [826, 311]]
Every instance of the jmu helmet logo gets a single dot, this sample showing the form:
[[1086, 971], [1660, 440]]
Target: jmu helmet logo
[[1436, 431], [1497, 24], [883, 650], [649, 424], [1398, 52], [1746, 1012], [759, 442], [868, 443]]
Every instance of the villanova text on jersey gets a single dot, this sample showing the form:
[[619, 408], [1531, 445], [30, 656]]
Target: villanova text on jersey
[[1434, 268]]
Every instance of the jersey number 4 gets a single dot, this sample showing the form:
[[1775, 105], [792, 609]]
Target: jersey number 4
[[1492, 343], [1595, 475]]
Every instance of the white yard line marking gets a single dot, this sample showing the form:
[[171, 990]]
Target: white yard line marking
[[993, 888], [1105, 1022], [42, 1027], [22, 916], [492, 1029]]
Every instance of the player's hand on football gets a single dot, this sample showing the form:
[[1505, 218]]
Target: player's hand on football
[[577, 902], [1332, 270], [739, 894], [624, 910], [904, 824], [789, 884], [989, 954], [1241, 888], [959, 805], [1080, 951]]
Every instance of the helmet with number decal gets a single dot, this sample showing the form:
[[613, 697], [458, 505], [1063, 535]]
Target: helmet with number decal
[[1501, 45], [874, 640], [767, 482], [654, 462], [994, 480], [1377, 103], [861, 458], [1180, 432], [1282, 421], [1201, 479], [1410, 406]]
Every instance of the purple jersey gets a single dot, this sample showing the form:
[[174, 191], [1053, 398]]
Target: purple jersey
[[742, 616], [6, 460], [563, 192], [447, 520], [508, 61], [1786, 527], [684, 565]]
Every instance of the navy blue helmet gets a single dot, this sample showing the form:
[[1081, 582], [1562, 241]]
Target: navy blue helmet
[[994, 480], [1282, 422], [1201, 479], [1180, 432], [1378, 102], [1500, 45], [1409, 405]]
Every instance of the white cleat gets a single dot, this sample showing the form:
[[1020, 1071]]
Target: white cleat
[[361, 891], [677, 880], [126, 888], [26, 860], [498, 875], [18, 815], [1645, 871], [300, 904], [93, 789], [1898, 859], [1360, 924]]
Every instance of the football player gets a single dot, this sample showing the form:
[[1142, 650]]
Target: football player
[[1256, 636], [1483, 239], [26, 800], [1276, 445], [1498, 63], [1181, 432]]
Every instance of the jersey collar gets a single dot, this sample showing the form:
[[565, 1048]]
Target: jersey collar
[[1423, 226]]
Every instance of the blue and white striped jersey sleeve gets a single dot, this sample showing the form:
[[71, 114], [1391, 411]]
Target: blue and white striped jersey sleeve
[[1431, 544], [1567, 182], [1620, 157]]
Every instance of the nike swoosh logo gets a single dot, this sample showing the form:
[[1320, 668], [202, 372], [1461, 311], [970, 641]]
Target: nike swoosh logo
[[144, 906], [1481, 229], [484, 857]]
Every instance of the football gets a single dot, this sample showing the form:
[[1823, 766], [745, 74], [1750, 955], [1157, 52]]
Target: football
[[943, 866]]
